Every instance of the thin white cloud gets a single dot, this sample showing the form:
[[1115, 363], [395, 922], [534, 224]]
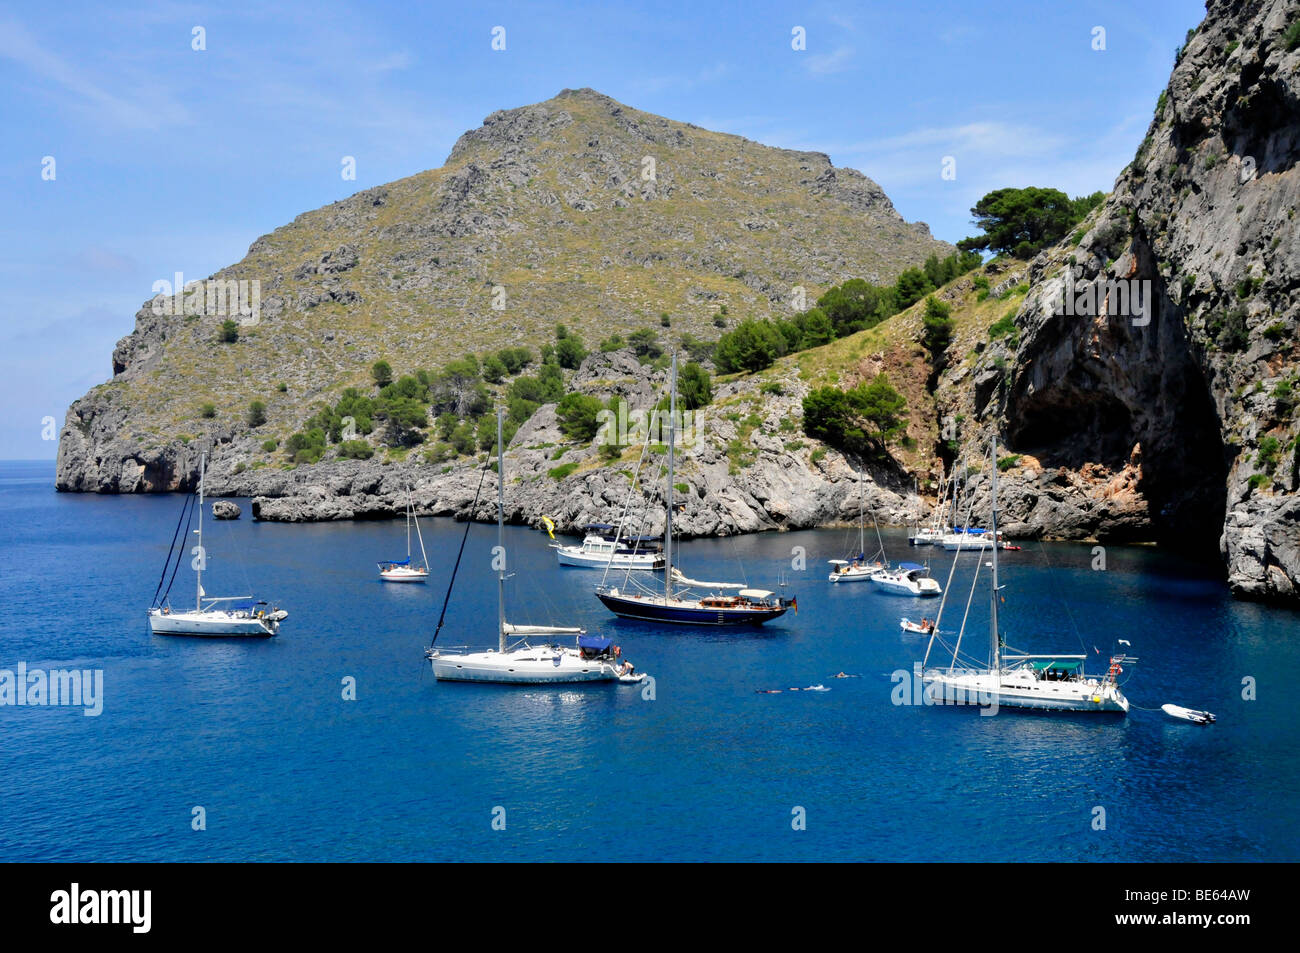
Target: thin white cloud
[[916, 156], [99, 259], [825, 63], [987, 155], [393, 61], [132, 112], [682, 82]]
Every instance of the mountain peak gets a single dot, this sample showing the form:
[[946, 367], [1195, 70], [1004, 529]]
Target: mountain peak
[[586, 92], [576, 210]]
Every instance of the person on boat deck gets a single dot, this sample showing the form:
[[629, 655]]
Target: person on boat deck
[[627, 669]]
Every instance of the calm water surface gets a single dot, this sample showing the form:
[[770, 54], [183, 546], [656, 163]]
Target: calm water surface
[[258, 734]]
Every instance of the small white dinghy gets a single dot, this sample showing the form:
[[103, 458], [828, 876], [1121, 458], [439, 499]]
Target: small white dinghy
[[1189, 714]]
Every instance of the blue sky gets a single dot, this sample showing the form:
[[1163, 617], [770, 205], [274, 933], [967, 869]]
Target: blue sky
[[170, 159]]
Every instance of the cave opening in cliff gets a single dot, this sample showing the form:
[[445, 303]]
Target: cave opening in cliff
[[1069, 427], [1177, 458]]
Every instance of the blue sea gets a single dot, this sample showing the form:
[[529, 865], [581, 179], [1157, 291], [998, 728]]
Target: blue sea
[[258, 734]]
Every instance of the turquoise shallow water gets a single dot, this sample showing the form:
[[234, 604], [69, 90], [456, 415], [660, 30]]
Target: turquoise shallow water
[[259, 736]]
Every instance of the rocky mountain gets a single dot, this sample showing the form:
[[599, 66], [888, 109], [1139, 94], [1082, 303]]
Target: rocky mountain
[[578, 210]]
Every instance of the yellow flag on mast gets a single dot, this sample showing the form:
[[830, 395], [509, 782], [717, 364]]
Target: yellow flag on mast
[[550, 526]]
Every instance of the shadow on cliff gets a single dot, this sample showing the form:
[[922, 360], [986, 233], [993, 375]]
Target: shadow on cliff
[[1104, 390]]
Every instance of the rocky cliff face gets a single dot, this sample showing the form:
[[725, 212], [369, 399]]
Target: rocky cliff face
[[1185, 411], [777, 485]]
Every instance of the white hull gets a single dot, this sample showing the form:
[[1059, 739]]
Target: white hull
[[576, 556], [1018, 689], [854, 573], [546, 665], [214, 623], [404, 575], [920, 588], [926, 537], [966, 543]]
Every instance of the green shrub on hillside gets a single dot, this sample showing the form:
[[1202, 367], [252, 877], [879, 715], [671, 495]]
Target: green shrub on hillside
[[355, 450], [861, 420], [1005, 327], [1291, 38], [645, 344], [576, 414], [694, 387], [752, 346], [936, 329], [515, 358]]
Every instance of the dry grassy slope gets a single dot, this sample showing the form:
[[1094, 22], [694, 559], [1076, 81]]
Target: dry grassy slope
[[547, 201], [893, 348]]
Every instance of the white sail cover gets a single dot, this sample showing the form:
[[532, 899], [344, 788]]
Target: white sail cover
[[682, 580], [512, 629]]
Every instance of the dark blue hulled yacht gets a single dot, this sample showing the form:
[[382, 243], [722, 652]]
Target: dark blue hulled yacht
[[724, 603]]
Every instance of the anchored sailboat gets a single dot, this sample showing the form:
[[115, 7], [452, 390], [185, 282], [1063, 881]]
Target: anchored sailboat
[[908, 579], [587, 659], [217, 616], [1046, 682], [857, 568], [934, 532], [401, 570], [739, 606]]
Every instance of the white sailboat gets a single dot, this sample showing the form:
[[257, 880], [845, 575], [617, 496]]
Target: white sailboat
[[969, 540], [1044, 682], [401, 570], [934, 532], [961, 538], [215, 616], [586, 659], [857, 568]]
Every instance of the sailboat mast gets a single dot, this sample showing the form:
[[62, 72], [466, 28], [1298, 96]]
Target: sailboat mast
[[501, 539], [668, 522], [198, 572], [996, 656], [956, 490], [862, 522], [424, 557]]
